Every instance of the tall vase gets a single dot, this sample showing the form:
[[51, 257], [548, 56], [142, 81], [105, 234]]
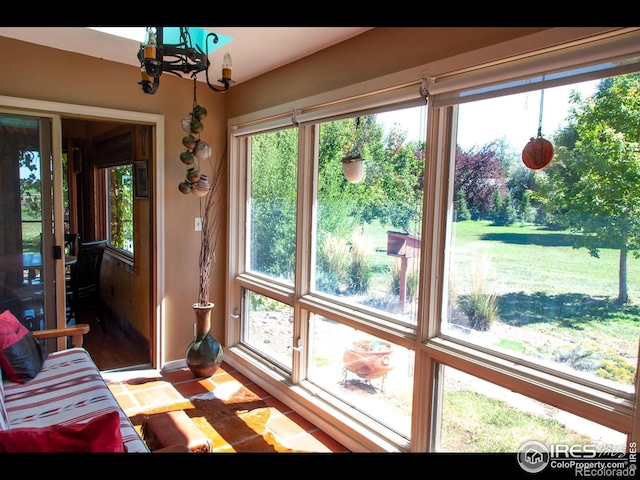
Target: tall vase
[[204, 354]]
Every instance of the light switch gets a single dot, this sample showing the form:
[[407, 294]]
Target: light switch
[[198, 224]]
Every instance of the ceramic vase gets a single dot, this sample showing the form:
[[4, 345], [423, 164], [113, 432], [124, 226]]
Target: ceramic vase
[[201, 187], [204, 354]]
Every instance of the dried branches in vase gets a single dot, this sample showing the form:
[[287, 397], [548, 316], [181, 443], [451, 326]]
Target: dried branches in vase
[[204, 354], [211, 208]]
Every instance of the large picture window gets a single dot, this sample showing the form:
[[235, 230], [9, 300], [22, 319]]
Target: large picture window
[[450, 298], [540, 264]]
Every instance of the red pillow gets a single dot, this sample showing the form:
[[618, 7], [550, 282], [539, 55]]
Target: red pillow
[[21, 355], [100, 434]]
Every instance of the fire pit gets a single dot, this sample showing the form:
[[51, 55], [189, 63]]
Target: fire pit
[[368, 359]]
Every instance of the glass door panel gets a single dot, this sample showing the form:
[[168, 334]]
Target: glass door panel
[[27, 265]]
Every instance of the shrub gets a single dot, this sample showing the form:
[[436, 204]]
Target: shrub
[[335, 260], [482, 307], [361, 269]]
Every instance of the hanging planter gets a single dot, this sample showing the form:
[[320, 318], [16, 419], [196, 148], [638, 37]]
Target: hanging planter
[[538, 152], [352, 162], [201, 187], [353, 168]]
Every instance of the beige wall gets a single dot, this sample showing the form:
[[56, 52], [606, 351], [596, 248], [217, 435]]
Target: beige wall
[[42, 73], [375, 53]]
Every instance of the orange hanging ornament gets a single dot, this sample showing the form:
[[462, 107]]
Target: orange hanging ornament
[[538, 153]]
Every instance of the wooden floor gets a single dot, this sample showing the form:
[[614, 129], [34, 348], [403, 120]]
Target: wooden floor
[[121, 346]]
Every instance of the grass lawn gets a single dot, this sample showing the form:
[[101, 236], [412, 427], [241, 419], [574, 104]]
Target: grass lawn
[[545, 285], [540, 260]]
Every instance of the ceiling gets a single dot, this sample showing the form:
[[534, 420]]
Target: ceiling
[[253, 50]]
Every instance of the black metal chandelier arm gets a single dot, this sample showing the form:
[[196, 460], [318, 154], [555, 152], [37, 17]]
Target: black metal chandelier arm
[[224, 81], [150, 87], [180, 59]]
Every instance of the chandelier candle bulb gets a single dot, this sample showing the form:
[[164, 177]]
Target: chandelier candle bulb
[[150, 47], [149, 51], [226, 66], [145, 76]]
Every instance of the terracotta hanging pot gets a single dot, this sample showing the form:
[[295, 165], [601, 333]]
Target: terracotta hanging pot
[[189, 141], [202, 150], [538, 153], [187, 157], [185, 187], [193, 175], [186, 122]]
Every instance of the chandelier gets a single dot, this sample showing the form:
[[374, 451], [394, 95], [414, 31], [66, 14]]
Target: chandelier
[[181, 59]]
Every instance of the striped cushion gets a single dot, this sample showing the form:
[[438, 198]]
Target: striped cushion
[[68, 390], [4, 420]]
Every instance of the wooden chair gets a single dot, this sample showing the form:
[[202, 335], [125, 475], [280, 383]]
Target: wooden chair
[[84, 283], [71, 244]]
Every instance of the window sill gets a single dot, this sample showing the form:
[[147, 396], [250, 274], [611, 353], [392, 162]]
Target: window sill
[[120, 256], [350, 428]]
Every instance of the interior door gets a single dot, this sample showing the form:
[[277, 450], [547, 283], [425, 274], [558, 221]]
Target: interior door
[[30, 256]]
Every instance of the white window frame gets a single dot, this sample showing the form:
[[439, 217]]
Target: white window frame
[[551, 50]]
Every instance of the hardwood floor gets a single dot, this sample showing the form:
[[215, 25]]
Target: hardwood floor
[[121, 346]]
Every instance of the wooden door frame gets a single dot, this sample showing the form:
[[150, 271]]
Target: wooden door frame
[[56, 110]]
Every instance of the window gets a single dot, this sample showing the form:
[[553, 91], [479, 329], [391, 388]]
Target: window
[[452, 293], [367, 242], [114, 159], [355, 282], [534, 256], [119, 190]]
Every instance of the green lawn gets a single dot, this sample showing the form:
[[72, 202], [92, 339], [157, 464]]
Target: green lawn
[[540, 260], [543, 284]]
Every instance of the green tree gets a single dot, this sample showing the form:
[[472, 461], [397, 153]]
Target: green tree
[[504, 214], [461, 209], [521, 184], [273, 201], [480, 172], [391, 191], [527, 210], [592, 185]]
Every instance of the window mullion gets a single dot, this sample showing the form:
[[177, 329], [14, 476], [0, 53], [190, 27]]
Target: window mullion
[[307, 161]]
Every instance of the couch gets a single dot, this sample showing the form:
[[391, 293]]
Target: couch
[[57, 401]]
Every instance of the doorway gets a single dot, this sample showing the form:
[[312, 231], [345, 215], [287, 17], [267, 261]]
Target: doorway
[[107, 199], [153, 243]]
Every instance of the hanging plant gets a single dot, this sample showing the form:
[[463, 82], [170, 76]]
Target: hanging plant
[[538, 152], [352, 162]]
